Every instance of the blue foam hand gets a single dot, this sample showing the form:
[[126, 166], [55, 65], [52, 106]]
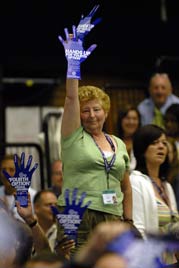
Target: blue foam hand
[[134, 249], [74, 52], [85, 25], [70, 218], [21, 180]]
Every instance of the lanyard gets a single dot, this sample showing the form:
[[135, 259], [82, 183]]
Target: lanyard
[[162, 194], [160, 191], [107, 165]]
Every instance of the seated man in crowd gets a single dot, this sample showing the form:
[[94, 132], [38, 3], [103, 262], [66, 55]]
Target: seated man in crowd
[[42, 202], [153, 108]]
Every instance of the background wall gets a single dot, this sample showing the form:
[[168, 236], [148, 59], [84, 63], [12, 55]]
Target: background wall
[[130, 38]]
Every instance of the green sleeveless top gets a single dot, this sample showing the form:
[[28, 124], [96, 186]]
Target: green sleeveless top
[[83, 168]]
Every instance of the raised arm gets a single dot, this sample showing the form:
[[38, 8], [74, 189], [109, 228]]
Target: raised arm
[[71, 114], [75, 55], [40, 241]]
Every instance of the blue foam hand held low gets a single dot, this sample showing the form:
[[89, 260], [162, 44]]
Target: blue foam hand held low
[[85, 25], [21, 180], [72, 215], [134, 249], [75, 53]]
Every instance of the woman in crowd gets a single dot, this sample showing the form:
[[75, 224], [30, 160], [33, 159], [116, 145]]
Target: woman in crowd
[[154, 204], [93, 161], [128, 123], [172, 131]]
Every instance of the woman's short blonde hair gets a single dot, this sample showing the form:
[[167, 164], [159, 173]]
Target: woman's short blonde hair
[[87, 93]]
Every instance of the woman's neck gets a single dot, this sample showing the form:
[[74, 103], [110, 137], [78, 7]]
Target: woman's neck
[[153, 171], [97, 135]]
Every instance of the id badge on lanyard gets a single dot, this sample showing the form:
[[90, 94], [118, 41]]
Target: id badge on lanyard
[[109, 197]]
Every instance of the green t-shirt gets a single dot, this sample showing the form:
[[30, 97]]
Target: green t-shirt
[[83, 168]]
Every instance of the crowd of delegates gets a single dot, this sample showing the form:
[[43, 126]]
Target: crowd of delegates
[[124, 178]]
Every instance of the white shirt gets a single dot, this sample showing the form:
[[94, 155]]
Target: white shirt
[[145, 211]]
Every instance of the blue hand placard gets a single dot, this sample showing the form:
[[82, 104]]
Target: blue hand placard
[[141, 253], [72, 215], [74, 52], [21, 180], [85, 25]]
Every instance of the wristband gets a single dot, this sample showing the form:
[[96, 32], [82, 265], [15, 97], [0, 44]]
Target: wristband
[[32, 224]]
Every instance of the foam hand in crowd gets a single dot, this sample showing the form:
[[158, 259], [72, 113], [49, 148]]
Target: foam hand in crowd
[[21, 180], [74, 52], [72, 215], [134, 249], [85, 25], [25, 212]]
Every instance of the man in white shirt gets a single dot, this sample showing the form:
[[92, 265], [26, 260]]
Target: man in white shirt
[[43, 201]]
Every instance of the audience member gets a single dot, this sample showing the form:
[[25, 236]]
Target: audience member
[[111, 260], [43, 201], [172, 131], [153, 108], [40, 241], [172, 124], [46, 260], [94, 251], [128, 123], [93, 161], [24, 243], [56, 176], [15, 241], [6, 190], [7, 240], [154, 203]]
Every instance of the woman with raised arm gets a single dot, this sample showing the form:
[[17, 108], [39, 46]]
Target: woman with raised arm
[[93, 161]]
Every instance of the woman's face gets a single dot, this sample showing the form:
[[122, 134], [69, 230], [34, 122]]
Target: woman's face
[[157, 151], [171, 125], [92, 115], [130, 123]]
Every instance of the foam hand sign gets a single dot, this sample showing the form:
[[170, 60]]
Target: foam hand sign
[[72, 215], [134, 249], [85, 25], [74, 52], [21, 180]]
